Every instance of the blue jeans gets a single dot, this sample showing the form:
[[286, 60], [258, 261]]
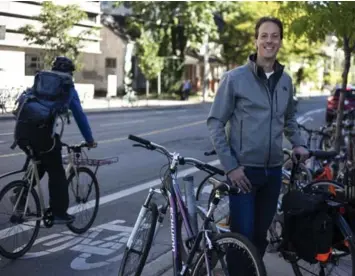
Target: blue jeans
[[252, 213]]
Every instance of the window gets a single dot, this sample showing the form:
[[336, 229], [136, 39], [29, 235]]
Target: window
[[33, 63], [92, 17], [110, 63]]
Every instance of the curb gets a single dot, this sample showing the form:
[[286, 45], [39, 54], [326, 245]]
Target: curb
[[158, 266], [142, 108], [92, 111]]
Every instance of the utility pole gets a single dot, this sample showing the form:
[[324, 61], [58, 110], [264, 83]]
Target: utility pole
[[206, 67]]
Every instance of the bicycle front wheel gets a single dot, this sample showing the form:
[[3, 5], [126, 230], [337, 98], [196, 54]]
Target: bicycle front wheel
[[241, 250], [85, 193], [14, 223], [140, 241]]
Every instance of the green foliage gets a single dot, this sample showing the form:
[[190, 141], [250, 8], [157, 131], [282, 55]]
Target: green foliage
[[149, 61], [54, 35], [160, 18], [316, 20], [238, 34], [175, 26]]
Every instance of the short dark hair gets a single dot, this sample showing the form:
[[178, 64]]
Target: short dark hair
[[269, 19]]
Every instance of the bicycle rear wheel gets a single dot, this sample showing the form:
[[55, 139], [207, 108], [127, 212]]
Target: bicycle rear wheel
[[81, 193], [233, 243], [18, 218], [144, 226]]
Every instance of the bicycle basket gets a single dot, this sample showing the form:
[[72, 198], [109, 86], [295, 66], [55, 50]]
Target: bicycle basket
[[91, 162]]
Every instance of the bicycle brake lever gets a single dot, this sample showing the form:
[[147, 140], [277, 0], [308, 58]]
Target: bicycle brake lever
[[138, 145], [149, 147]]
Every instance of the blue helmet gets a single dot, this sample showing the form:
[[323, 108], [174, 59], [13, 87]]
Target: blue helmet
[[63, 64]]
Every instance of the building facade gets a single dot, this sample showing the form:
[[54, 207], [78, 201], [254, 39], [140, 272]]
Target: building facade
[[19, 60]]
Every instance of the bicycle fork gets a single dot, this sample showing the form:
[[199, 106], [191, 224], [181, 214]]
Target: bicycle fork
[[142, 214]]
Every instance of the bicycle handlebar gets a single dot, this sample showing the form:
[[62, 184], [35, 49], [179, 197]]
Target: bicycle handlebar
[[182, 160], [320, 154], [310, 131], [77, 146]]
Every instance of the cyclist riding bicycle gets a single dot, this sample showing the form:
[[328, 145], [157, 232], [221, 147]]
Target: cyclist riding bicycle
[[34, 132]]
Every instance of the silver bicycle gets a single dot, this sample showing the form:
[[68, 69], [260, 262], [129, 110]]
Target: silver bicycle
[[27, 205]]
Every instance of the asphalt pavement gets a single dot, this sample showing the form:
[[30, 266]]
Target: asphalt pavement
[[123, 188]]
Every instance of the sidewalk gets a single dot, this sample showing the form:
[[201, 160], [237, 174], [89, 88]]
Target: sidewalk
[[162, 266], [103, 105]]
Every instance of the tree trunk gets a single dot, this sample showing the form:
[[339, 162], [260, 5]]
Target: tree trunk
[[347, 54], [147, 88], [159, 83]]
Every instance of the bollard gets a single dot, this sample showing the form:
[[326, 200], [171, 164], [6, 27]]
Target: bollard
[[191, 202]]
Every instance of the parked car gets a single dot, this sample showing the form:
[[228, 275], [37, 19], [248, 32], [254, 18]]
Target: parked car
[[333, 100]]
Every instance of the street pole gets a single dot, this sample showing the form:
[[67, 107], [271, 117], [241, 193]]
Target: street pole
[[159, 83], [206, 67]]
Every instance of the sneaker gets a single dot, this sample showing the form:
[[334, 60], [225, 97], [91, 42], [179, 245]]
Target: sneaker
[[63, 219]]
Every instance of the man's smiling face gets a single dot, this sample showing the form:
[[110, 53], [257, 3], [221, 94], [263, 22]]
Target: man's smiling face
[[269, 40]]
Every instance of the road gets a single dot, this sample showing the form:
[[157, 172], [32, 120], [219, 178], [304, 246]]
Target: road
[[123, 187]]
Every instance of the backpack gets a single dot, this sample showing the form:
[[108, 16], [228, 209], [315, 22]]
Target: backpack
[[308, 228], [40, 105]]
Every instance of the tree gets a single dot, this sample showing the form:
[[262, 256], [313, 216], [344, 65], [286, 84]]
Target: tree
[[54, 35], [316, 20], [149, 61], [177, 26], [238, 27]]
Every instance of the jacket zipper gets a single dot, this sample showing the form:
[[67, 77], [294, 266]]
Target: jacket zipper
[[241, 135], [270, 98], [277, 108]]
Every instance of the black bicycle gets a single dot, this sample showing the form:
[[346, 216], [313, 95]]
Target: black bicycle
[[340, 260]]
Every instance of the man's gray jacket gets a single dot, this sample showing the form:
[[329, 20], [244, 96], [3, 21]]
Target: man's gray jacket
[[259, 111]]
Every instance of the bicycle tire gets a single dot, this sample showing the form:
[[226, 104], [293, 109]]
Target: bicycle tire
[[71, 226], [202, 183], [236, 239], [8, 187], [153, 208]]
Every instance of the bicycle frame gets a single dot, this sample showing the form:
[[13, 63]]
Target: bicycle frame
[[30, 168], [31, 175], [177, 205], [172, 193]]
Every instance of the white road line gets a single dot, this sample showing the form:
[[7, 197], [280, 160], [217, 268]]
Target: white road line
[[305, 120], [108, 198], [122, 123], [7, 133], [308, 114], [190, 116]]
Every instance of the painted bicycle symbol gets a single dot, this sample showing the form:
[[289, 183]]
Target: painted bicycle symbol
[[93, 245]]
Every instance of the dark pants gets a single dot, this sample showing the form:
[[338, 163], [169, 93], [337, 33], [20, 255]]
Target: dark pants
[[39, 139], [252, 213]]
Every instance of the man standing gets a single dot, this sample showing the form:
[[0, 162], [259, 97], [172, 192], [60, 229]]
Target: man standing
[[257, 100]]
